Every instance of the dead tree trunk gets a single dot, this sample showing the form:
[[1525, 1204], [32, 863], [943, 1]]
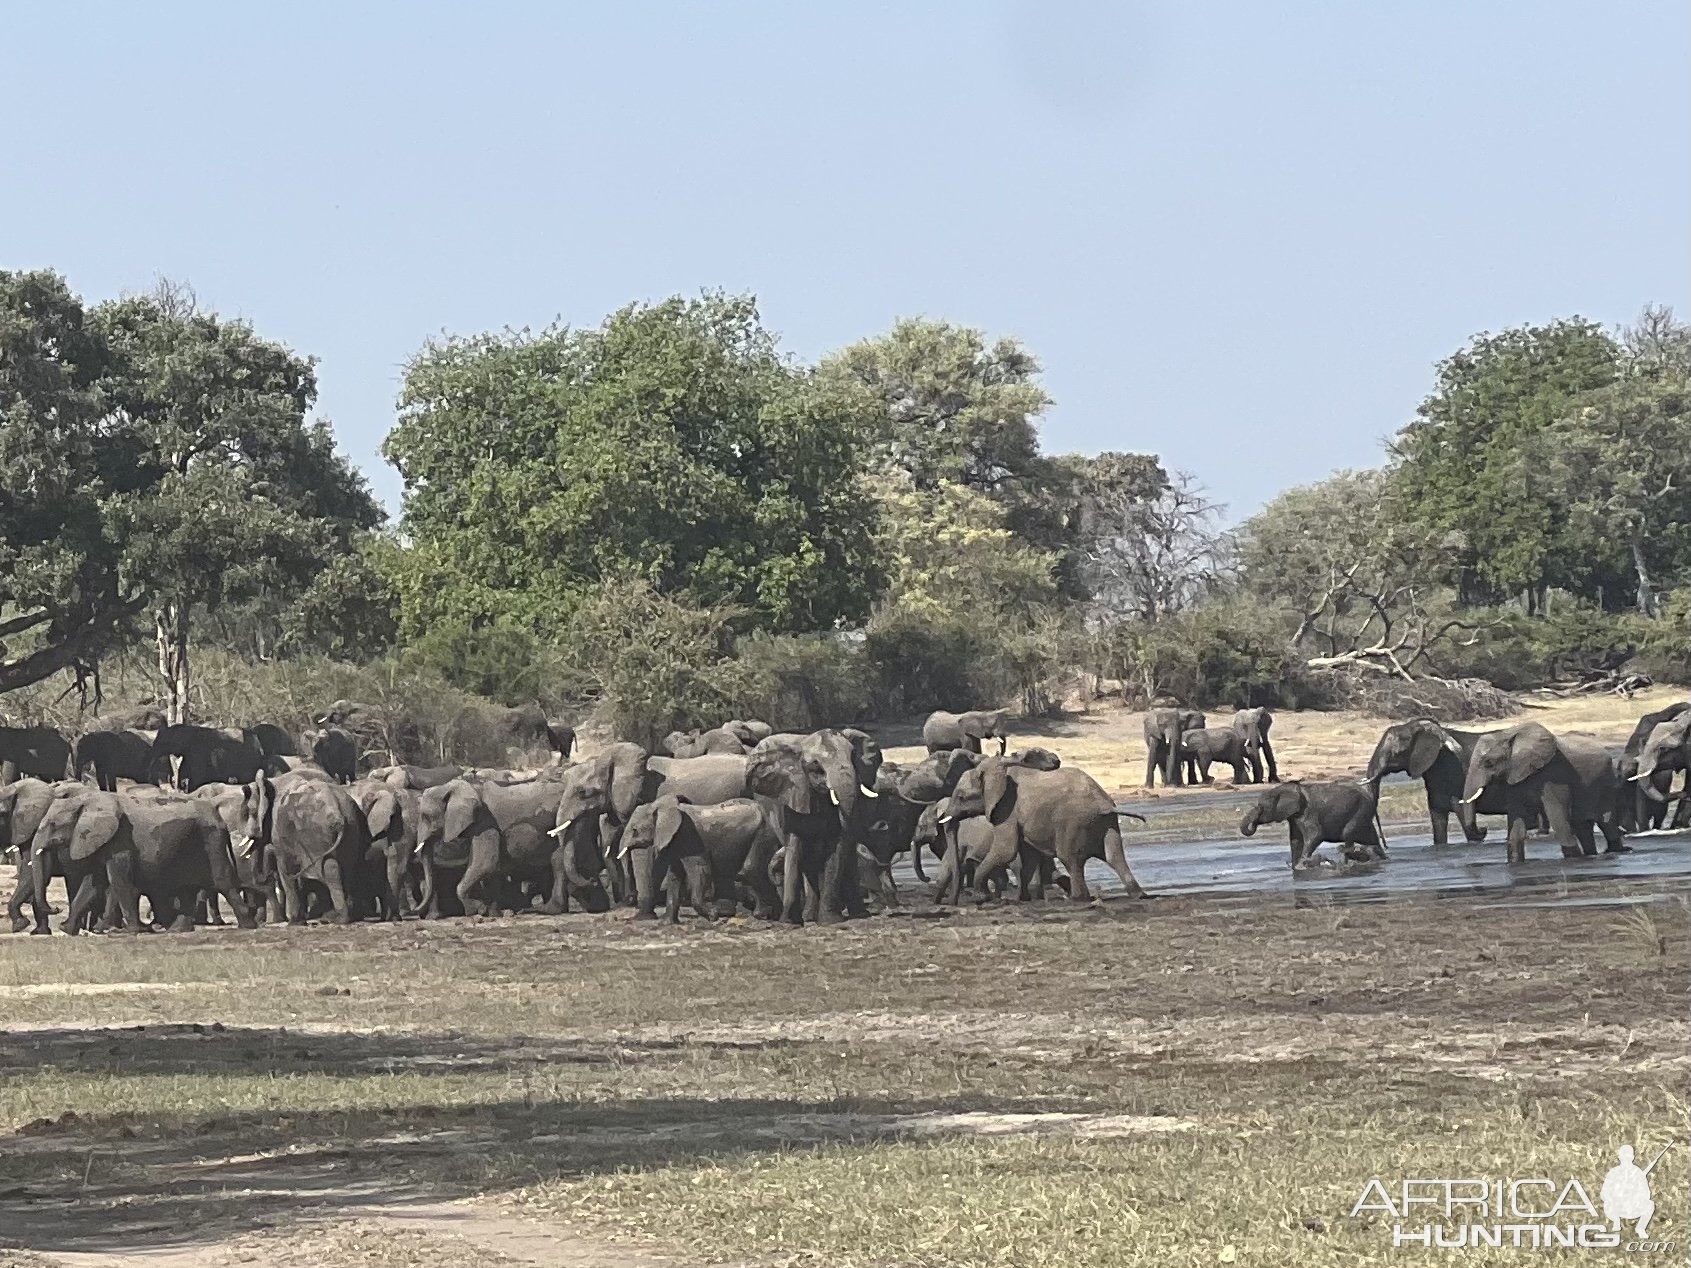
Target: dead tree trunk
[[170, 624]]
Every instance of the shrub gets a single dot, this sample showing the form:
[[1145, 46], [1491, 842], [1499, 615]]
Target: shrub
[[501, 661], [1222, 655], [800, 682]]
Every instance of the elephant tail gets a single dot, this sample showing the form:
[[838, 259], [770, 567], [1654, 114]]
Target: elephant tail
[[1128, 814]]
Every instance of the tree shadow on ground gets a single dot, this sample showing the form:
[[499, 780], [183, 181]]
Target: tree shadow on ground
[[124, 1181]]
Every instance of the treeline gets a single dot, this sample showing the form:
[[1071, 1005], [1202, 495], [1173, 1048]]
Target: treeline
[[666, 519]]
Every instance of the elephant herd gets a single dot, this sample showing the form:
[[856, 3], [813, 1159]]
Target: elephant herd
[[792, 827]]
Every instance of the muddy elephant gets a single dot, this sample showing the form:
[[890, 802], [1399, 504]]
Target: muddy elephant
[[818, 794], [719, 740], [1571, 778], [1063, 813], [315, 834], [1342, 812], [965, 730], [1438, 756], [1215, 744], [391, 819], [705, 852], [169, 849], [113, 755]]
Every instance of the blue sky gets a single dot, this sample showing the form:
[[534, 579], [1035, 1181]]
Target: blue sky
[[1236, 234]]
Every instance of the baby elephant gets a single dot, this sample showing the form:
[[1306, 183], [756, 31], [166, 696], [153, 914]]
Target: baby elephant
[[1217, 744], [1343, 812], [704, 851]]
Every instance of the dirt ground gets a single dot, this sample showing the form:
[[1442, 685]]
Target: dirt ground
[[1174, 1081]]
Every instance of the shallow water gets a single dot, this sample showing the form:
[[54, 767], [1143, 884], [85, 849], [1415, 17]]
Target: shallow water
[[1657, 866]]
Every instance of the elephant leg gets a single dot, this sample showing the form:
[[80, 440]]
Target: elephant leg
[[1682, 812], [1151, 764], [1558, 809], [1268, 754], [1614, 840], [701, 885], [847, 881], [1441, 824], [1516, 851], [1295, 842], [792, 882], [1585, 831], [226, 881], [999, 854], [120, 875], [293, 901], [1116, 857], [558, 894], [1073, 855], [208, 910], [336, 884], [484, 865]]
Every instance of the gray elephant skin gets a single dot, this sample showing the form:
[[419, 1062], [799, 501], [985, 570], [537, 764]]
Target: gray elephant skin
[[1438, 756], [1164, 725], [39, 752], [169, 849], [707, 853], [1253, 726], [23, 805], [1216, 744], [506, 832], [315, 834], [965, 730], [1653, 759], [1064, 813], [391, 819], [719, 740], [335, 749], [1342, 812], [1571, 778], [818, 794], [905, 793], [192, 756], [113, 755]]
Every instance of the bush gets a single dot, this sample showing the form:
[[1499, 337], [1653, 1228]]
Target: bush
[[800, 682], [502, 662], [1222, 655], [920, 664]]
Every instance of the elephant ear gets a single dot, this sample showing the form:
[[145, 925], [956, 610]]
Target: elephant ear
[[1530, 751], [1429, 742], [379, 815], [623, 769], [667, 829], [461, 802], [776, 770], [998, 790], [96, 824]]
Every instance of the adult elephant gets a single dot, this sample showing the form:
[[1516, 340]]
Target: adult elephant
[[190, 757], [817, 792], [36, 751], [1063, 813], [335, 749], [1252, 726], [506, 831], [380, 731], [113, 755], [1345, 813], [391, 818], [170, 849], [560, 738], [1165, 722], [1438, 756], [271, 740], [314, 833], [1571, 778], [750, 731], [966, 731], [23, 804], [1666, 749], [599, 797], [905, 792]]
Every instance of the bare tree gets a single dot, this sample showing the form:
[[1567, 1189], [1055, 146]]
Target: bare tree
[[1150, 556]]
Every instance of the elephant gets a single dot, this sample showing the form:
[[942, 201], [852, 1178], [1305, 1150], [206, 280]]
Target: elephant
[[270, 739], [560, 738], [36, 751], [23, 804], [1571, 777], [1165, 722], [965, 730], [1438, 756], [416, 778], [1343, 812], [1063, 813], [1216, 744], [507, 831], [599, 796], [706, 852], [314, 833], [170, 849], [335, 749], [1643, 811], [750, 731], [906, 793], [191, 756], [378, 730], [817, 793], [1253, 726], [704, 743], [114, 755], [391, 818], [1666, 749]]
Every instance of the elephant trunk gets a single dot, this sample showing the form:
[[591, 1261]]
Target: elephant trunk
[[574, 843], [1249, 824]]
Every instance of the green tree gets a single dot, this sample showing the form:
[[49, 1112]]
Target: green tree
[[1467, 469], [350, 611], [154, 457], [672, 445]]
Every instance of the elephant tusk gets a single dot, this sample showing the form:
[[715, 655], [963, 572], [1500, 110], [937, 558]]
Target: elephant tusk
[[1468, 801], [944, 819], [560, 829], [1645, 774], [833, 796], [867, 791], [622, 853]]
